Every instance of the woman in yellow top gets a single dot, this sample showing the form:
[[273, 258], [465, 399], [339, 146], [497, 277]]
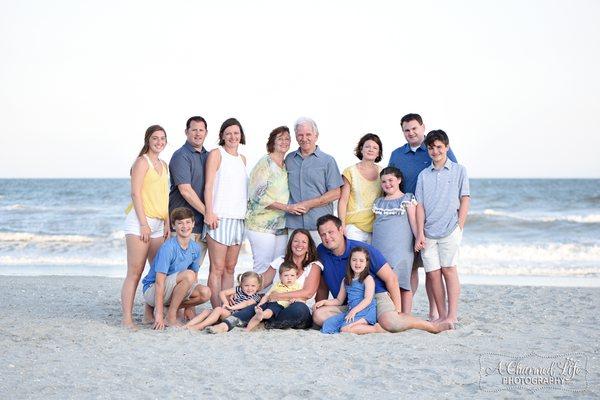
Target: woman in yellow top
[[361, 188], [147, 221]]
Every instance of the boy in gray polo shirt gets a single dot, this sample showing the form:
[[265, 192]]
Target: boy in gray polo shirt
[[443, 197]]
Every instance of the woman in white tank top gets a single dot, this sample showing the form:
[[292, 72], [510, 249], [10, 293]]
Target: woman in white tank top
[[226, 198]]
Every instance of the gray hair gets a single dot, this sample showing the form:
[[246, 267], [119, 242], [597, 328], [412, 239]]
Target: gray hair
[[306, 121]]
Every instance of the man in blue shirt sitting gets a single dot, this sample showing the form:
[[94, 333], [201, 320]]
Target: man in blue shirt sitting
[[172, 279], [333, 253]]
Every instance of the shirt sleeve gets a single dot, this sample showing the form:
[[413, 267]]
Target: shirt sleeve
[[180, 169], [419, 189], [333, 176], [276, 263], [163, 258], [377, 260], [463, 182], [347, 174], [318, 264]]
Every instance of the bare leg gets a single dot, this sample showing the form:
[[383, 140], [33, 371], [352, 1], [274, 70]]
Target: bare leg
[[137, 252], [193, 323], [437, 287], [231, 260], [433, 311], [322, 313], [217, 253], [362, 327], [406, 297], [453, 289], [185, 280], [414, 280], [212, 317], [258, 317], [394, 322], [148, 315], [200, 295]]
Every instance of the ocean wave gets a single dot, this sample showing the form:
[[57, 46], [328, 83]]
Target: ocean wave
[[581, 219], [61, 261], [38, 238], [12, 207], [554, 253]]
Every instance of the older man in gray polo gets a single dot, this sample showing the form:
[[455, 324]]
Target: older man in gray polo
[[314, 180]]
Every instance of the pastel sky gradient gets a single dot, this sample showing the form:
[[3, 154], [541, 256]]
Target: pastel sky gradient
[[515, 84]]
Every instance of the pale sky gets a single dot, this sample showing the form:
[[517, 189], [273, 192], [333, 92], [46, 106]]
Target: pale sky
[[515, 84]]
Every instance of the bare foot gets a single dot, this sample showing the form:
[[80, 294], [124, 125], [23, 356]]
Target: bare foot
[[219, 328], [258, 313], [443, 326], [130, 325], [433, 317], [148, 318], [450, 320]]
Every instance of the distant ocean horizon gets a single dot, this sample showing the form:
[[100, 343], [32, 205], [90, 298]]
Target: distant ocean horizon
[[519, 231]]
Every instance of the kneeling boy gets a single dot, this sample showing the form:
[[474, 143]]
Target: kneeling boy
[[443, 202], [172, 279]]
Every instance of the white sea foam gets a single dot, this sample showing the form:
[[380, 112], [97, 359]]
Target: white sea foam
[[582, 219], [37, 238], [61, 261], [541, 260], [12, 207]]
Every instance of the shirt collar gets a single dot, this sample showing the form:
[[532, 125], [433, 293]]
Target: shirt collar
[[447, 164], [191, 148], [406, 148], [316, 153]]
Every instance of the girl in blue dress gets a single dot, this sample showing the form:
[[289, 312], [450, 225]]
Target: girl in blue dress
[[359, 286]]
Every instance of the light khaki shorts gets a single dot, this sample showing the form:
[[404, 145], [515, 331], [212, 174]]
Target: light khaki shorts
[[170, 283], [442, 253], [384, 304]]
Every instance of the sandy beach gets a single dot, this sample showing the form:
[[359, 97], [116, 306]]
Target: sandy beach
[[60, 338]]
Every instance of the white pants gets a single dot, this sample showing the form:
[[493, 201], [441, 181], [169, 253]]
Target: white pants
[[265, 248]]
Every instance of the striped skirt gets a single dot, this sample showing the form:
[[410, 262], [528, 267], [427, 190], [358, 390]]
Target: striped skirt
[[230, 232]]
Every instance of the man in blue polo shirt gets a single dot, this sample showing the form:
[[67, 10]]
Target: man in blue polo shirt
[[411, 159], [314, 180], [333, 253], [187, 177]]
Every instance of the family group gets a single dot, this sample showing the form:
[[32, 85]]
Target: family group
[[360, 267]]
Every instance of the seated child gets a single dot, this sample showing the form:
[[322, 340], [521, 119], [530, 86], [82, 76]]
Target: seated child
[[362, 306], [288, 274], [233, 299]]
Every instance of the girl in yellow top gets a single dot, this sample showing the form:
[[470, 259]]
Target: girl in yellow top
[[361, 188], [147, 221]]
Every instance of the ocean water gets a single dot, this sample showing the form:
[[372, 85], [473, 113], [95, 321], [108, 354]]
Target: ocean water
[[519, 231]]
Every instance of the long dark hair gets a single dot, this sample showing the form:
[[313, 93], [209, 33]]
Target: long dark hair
[[311, 254], [364, 273], [149, 132]]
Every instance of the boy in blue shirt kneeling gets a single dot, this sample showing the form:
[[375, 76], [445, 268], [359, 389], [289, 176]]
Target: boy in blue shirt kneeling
[[172, 279]]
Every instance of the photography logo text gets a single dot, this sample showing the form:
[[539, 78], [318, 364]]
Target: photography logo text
[[532, 372]]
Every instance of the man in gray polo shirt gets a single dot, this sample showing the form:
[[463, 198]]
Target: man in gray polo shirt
[[314, 180], [187, 177], [443, 198]]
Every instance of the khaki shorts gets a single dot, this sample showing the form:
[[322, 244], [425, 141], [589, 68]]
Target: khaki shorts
[[384, 304], [170, 283], [442, 253]]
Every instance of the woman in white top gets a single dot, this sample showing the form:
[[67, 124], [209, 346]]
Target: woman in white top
[[301, 251], [226, 198]]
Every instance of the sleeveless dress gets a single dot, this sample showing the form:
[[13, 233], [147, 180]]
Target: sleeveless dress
[[355, 292], [393, 236]]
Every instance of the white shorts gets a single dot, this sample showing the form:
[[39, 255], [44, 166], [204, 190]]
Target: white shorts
[[132, 225], [352, 232], [442, 253], [170, 283]]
